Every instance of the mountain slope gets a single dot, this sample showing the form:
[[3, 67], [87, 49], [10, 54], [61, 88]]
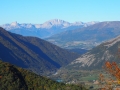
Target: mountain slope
[[87, 37], [46, 29], [33, 53], [95, 58], [14, 78]]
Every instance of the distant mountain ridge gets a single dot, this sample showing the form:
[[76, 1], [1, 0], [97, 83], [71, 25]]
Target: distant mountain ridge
[[46, 29], [87, 37], [96, 58], [33, 53]]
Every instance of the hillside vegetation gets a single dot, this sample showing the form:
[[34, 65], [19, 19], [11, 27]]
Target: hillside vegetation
[[14, 78]]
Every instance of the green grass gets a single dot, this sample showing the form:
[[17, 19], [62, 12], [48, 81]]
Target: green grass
[[90, 77]]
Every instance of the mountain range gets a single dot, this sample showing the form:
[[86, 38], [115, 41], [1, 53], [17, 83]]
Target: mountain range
[[96, 57], [33, 53], [87, 37], [46, 29]]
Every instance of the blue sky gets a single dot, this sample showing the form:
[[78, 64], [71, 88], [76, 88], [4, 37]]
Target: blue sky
[[39, 11]]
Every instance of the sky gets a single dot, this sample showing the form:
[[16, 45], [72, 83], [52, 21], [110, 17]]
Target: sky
[[40, 11]]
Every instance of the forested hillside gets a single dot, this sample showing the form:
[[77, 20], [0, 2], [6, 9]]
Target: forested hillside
[[14, 78]]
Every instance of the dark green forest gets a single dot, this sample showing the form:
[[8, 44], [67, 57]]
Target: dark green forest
[[14, 78]]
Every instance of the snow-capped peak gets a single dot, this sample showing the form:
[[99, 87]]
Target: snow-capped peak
[[14, 24], [55, 22], [47, 25]]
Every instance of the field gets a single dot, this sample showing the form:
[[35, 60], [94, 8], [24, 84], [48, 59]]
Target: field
[[89, 79], [84, 77]]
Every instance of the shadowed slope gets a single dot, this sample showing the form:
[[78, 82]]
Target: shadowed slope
[[33, 53]]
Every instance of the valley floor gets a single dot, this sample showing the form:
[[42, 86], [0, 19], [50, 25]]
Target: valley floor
[[89, 79]]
